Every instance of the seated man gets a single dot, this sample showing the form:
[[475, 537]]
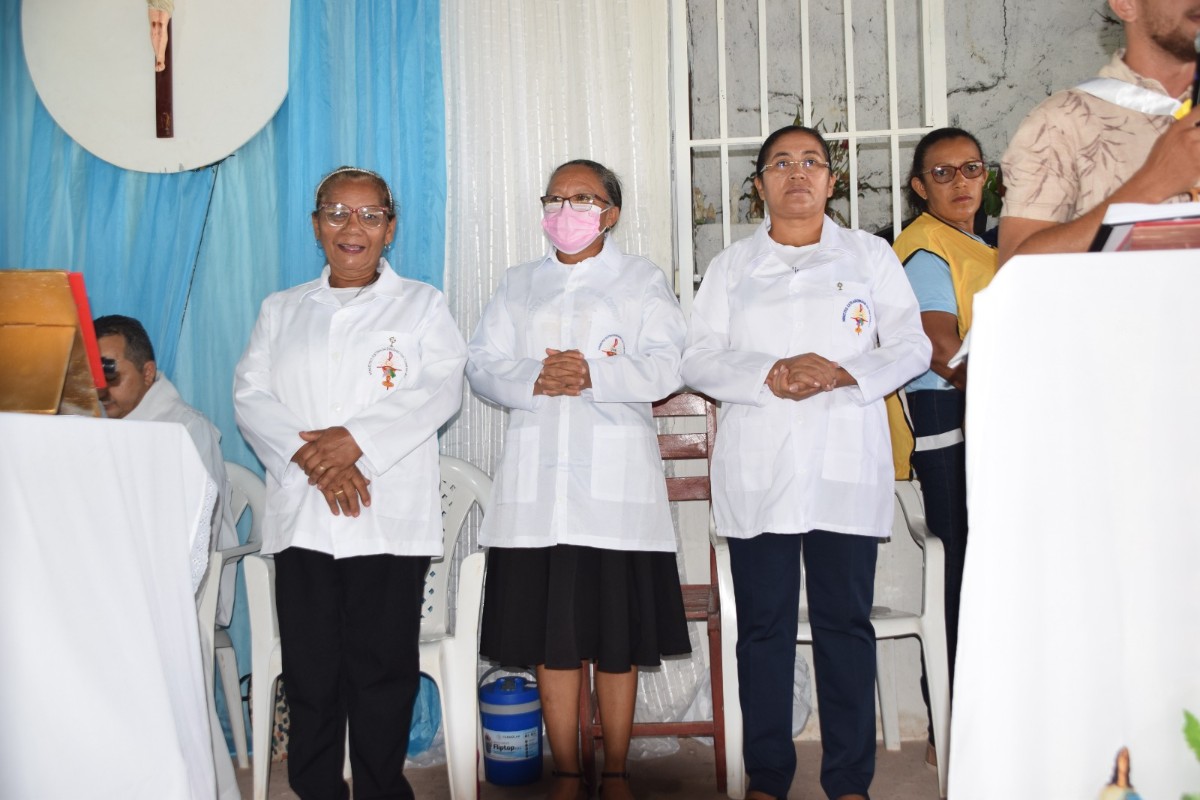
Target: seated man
[[139, 391]]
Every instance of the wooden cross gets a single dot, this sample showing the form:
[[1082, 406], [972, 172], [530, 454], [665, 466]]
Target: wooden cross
[[164, 113], [159, 13]]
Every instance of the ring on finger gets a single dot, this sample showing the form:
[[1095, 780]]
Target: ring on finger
[[339, 491]]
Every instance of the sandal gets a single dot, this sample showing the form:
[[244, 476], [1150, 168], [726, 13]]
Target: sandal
[[582, 791], [623, 776]]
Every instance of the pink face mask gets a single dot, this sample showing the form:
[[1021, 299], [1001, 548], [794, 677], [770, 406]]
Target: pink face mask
[[571, 231]]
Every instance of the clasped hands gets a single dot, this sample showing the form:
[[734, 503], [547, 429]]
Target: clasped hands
[[800, 377], [564, 372], [329, 458]]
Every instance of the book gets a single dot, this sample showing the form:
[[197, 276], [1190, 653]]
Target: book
[[1141, 226]]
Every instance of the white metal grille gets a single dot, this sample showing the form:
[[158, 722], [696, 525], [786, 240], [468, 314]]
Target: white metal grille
[[882, 85]]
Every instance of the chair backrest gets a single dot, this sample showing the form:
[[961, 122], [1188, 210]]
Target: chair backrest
[[688, 446], [901, 572], [463, 485], [247, 492]]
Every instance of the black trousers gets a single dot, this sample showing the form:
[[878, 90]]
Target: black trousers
[[349, 631], [840, 570]]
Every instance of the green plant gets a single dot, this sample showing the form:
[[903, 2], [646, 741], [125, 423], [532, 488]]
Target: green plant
[[993, 193], [1191, 734]]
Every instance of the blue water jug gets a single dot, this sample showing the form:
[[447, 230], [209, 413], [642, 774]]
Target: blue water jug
[[510, 714]]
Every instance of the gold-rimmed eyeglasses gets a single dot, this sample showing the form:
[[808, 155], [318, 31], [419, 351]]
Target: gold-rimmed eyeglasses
[[336, 215]]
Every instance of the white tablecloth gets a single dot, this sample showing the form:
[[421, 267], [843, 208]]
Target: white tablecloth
[[1080, 628], [101, 686]]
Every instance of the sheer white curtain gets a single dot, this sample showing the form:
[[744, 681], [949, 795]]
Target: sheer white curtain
[[530, 84]]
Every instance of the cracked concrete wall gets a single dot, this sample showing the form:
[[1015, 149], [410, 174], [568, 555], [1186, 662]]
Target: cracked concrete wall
[[1002, 58]]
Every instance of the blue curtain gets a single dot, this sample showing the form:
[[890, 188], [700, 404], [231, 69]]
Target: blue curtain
[[365, 88]]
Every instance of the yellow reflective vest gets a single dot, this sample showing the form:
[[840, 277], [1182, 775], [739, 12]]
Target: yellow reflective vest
[[972, 266]]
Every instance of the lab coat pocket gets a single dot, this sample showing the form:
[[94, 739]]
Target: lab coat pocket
[[750, 447], [293, 487], [516, 480], [410, 485], [622, 456], [846, 457]]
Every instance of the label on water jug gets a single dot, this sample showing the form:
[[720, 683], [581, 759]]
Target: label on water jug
[[510, 745]]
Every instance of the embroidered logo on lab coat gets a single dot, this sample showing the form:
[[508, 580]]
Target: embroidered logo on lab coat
[[388, 362], [858, 312], [612, 345]]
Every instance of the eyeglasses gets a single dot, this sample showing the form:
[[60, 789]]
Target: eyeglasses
[[580, 202], [784, 167], [944, 173], [337, 215]]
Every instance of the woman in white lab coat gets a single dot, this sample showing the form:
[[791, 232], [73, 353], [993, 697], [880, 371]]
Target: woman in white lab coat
[[341, 392], [800, 331], [577, 345]]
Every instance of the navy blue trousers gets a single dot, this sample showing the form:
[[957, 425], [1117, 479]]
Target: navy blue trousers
[[349, 630], [943, 476], [840, 570]]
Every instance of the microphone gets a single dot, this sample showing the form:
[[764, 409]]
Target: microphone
[[1196, 76]]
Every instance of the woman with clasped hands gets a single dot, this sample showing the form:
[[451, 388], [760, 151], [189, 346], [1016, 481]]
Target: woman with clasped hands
[[341, 392], [581, 566], [800, 331]]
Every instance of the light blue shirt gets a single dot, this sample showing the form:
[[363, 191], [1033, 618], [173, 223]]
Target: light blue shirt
[[930, 278]]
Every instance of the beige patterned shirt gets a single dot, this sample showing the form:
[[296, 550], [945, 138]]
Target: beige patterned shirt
[[1074, 150]]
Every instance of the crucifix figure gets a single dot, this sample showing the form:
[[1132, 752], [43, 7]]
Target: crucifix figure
[[159, 12]]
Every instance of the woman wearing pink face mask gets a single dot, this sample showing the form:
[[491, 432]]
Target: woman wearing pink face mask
[[577, 344]]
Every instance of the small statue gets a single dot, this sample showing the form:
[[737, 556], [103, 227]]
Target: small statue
[[1120, 788], [160, 12]]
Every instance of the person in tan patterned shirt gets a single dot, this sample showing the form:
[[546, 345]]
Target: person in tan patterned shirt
[[1076, 153]]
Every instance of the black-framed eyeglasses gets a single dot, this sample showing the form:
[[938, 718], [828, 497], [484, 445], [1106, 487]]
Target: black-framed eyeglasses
[[579, 202], [944, 173], [786, 166], [336, 215]]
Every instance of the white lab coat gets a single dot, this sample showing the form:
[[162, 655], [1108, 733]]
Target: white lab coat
[[580, 470], [823, 463], [388, 366]]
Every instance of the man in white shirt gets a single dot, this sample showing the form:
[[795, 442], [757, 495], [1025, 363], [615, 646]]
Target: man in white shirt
[[140, 392]]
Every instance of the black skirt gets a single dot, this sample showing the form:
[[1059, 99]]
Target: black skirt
[[565, 604]]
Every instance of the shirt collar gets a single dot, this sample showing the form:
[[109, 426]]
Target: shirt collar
[[829, 246], [1117, 68], [388, 284], [609, 258], [160, 397]]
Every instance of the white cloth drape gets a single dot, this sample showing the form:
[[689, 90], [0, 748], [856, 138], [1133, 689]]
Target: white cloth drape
[[1080, 626], [103, 686]]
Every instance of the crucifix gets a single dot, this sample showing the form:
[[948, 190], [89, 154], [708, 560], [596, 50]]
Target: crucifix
[[160, 12]]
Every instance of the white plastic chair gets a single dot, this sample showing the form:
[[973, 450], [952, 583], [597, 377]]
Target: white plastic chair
[[248, 494], [928, 625], [450, 659]]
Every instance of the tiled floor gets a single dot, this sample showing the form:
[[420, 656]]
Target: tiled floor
[[687, 774]]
